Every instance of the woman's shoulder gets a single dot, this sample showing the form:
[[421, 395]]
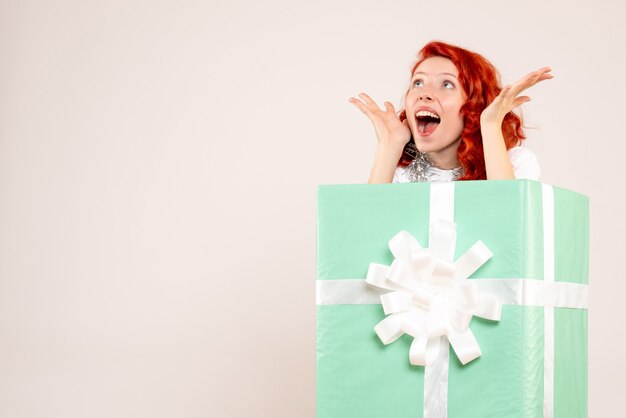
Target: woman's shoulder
[[401, 175], [524, 162]]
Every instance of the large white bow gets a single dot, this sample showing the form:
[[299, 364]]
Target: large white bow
[[431, 296]]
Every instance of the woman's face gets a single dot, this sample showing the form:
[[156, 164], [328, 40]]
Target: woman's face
[[433, 105]]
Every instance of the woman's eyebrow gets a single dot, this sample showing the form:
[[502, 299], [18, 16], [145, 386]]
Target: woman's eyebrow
[[423, 73]]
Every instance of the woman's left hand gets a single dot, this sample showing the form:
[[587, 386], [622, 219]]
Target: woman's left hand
[[509, 97]]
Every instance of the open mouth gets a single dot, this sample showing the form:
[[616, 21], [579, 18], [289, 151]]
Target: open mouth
[[427, 122]]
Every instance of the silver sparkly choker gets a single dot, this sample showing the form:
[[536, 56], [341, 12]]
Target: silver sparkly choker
[[422, 169]]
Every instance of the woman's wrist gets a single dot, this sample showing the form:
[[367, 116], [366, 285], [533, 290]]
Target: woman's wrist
[[389, 152], [497, 163], [385, 163], [491, 131], [485, 121]]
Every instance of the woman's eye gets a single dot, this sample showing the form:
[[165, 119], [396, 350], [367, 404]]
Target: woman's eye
[[418, 83], [448, 84]]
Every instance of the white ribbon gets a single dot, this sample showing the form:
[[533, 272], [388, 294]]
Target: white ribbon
[[430, 295], [526, 292], [547, 196]]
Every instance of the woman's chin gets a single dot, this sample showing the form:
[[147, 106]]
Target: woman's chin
[[425, 146]]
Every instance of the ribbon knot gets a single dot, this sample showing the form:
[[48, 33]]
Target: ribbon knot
[[431, 296]]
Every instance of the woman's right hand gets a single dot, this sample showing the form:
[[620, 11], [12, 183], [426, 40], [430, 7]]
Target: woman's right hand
[[390, 131]]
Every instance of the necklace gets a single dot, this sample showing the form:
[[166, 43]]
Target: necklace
[[423, 169]]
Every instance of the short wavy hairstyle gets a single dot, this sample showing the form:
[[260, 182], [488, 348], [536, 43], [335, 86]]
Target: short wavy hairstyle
[[480, 83]]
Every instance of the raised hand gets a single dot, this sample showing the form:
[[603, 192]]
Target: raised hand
[[509, 98], [390, 131]]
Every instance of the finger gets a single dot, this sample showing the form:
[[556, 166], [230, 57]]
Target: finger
[[389, 107], [520, 100], [545, 69], [542, 74], [531, 79], [533, 75], [368, 101], [503, 93], [359, 105], [546, 76]]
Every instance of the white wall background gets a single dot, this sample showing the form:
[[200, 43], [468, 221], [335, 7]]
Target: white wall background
[[158, 168]]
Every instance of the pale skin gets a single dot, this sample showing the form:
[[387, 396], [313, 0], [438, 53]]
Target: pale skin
[[392, 134]]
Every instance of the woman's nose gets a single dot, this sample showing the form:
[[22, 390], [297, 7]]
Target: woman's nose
[[425, 97]]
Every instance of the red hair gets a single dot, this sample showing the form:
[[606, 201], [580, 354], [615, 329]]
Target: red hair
[[479, 79]]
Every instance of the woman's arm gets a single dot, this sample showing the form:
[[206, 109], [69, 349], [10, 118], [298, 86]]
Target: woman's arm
[[385, 163], [497, 161], [392, 135]]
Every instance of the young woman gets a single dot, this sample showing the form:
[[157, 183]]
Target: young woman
[[457, 124]]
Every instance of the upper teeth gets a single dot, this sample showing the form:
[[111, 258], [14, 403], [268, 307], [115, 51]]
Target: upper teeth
[[426, 113]]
